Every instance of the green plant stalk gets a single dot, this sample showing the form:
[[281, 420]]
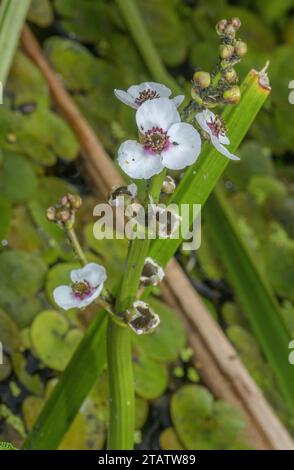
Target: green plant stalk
[[12, 17], [119, 354], [71, 234], [253, 291], [141, 37], [83, 370]]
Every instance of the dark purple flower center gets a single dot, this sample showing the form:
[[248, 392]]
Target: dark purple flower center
[[82, 289], [146, 95], [155, 140], [216, 126]]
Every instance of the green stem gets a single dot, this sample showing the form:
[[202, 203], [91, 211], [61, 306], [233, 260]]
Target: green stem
[[137, 27], [119, 354], [70, 232]]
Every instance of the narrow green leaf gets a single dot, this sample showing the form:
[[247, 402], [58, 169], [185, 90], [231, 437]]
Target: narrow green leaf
[[253, 292], [74, 385], [12, 17]]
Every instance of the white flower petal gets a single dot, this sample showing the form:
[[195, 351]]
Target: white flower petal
[[93, 273], [223, 139], [223, 150], [136, 162], [178, 100], [160, 89], [64, 298], [161, 113], [88, 300], [184, 148], [204, 117], [125, 98]]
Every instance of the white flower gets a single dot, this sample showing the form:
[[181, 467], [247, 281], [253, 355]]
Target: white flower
[[141, 318], [87, 284], [152, 273], [215, 128], [165, 141], [138, 94]]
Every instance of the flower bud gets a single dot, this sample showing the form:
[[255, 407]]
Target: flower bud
[[141, 318], [236, 23], [221, 26], [76, 202], [51, 214], [152, 273], [231, 76], [169, 185], [202, 79], [226, 51], [230, 30], [64, 200], [64, 215], [241, 48], [232, 95], [119, 194]]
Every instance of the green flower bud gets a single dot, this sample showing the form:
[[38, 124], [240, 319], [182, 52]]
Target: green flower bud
[[169, 185], [202, 79], [231, 76], [76, 202], [51, 214], [232, 95], [226, 51], [241, 48]]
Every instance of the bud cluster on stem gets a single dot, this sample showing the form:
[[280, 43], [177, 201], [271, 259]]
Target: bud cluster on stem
[[220, 87]]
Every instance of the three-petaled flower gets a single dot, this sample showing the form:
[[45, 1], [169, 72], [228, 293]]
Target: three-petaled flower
[[138, 94], [214, 127], [164, 141], [87, 284]]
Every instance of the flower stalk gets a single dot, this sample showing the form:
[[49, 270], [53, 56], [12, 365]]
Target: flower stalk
[[71, 234], [119, 354]]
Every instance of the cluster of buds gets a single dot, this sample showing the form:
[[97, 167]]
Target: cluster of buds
[[220, 87], [141, 318], [63, 213]]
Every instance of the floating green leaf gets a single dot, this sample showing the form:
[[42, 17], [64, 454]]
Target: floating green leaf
[[18, 181], [53, 340], [151, 377], [201, 423]]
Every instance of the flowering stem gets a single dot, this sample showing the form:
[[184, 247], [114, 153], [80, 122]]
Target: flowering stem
[[71, 234], [119, 354]]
